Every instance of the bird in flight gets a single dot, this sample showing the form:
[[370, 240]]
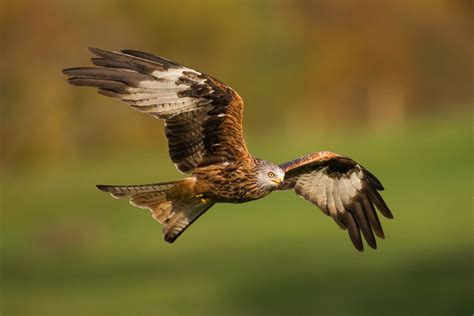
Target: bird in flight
[[203, 125]]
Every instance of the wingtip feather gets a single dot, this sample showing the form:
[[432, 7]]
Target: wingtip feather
[[71, 71], [96, 51], [372, 179], [358, 246]]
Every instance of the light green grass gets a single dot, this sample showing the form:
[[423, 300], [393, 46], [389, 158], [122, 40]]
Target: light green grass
[[68, 249]]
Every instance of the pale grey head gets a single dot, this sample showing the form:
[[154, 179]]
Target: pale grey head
[[269, 175]]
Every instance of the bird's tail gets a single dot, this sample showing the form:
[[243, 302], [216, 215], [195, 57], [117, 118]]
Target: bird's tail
[[171, 203], [144, 194]]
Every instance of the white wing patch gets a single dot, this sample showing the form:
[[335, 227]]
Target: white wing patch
[[331, 194], [160, 97], [193, 105], [348, 195]]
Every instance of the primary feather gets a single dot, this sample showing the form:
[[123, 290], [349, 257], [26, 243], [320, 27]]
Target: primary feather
[[203, 117], [342, 189]]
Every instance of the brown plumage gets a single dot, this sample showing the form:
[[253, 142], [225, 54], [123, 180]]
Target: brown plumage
[[203, 124]]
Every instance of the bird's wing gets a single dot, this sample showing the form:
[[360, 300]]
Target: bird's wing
[[342, 189], [203, 116]]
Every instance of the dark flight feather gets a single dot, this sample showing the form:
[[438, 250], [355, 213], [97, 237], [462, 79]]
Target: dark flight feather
[[203, 116], [342, 189]]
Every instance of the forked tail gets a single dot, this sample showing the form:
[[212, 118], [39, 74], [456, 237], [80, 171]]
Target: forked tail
[[169, 202]]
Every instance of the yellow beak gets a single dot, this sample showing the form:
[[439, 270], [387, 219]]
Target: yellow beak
[[277, 181]]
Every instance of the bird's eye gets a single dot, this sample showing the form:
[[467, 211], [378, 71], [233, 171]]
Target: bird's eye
[[271, 174]]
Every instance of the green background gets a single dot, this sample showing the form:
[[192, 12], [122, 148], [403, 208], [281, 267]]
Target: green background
[[69, 249], [387, 83]]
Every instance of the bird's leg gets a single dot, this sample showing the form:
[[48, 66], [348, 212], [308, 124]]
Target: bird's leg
[[202, 199]]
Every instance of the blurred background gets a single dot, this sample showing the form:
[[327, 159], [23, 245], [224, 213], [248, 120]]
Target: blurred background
[[388, 83]]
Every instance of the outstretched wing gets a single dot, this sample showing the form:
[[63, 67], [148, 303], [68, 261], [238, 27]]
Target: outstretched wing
[[342, 189], [203, 116]]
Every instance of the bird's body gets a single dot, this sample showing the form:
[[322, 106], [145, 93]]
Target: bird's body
[[203, 124], [225, 183]]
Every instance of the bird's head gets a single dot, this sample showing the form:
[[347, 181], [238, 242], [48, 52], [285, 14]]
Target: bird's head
[[269, 176]]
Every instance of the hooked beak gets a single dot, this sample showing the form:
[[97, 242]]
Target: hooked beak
[[278, 182]]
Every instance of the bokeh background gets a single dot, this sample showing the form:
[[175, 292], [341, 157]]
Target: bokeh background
[[388, 83]]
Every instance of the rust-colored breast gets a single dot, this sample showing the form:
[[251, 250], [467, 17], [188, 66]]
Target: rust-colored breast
[[233, 182]]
